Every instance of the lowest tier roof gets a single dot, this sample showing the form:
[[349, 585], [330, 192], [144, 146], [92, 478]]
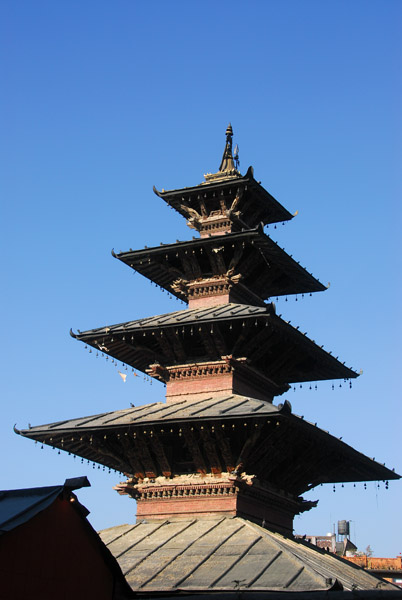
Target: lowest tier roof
[[226, 554], [287, 451], [270, 344], [266, 270]]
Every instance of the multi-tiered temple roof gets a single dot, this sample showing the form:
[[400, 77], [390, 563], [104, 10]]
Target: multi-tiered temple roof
[[219, 460]]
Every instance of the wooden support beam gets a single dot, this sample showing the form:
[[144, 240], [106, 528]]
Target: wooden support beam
[[159, 452], [151, 355], [237, 256], [187, 266], [261, 337], [267, 351], [270, 449], [144, 455], [247, 448], [225, 449], [195, 264], [194, 449], [112, 454], [177, 344], [217, 268], [209, 344], [203, 207], [238, 345], [210, 450], [249, 263], [220, 341], [132, 456], [304, 463], [165, 345]]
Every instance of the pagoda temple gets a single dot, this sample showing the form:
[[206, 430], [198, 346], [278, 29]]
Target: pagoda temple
[[218, 470]]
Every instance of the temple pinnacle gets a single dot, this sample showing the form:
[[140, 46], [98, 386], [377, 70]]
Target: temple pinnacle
[[227, 163]]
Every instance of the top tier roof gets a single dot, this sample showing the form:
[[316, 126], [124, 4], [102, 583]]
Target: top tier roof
[[226, 200]]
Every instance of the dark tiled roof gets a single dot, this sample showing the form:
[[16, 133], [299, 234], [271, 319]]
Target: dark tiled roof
[[226, 406], [266, 269], [216, 313], [214, 555], [107, 438], [255, 206], [19, 506], [272, 345]]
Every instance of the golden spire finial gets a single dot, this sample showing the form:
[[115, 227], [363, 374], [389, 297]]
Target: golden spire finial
[[227, 163]]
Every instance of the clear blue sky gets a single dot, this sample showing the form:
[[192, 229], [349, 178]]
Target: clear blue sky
[[102, 100]]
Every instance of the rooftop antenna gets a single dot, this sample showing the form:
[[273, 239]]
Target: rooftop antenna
[[236, 157]]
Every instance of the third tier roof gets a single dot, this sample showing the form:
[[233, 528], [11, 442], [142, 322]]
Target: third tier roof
[[270, 344]]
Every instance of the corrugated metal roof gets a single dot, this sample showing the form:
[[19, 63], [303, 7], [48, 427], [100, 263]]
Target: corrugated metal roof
[[130, 343], [214, 407], [181, 317], [19, 506], [107, 438], [267, 270], [254, 195], [220, 554]]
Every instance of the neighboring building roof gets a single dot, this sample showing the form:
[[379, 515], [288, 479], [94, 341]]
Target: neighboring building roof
[[19, 506], [226, 554], [49, 549], [266, 269], [109, 439], [272, 345]]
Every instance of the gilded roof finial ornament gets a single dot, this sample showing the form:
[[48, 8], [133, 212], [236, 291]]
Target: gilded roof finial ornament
[[227, 163], [227, 167]]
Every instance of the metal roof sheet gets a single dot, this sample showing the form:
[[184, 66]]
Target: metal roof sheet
[[180, 317], [267, 270], [273, 211], [309, 363], [222, 554], [85, 436], [19, 506], [214, 407]]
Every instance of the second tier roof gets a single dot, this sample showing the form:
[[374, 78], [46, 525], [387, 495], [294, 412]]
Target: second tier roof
[[263, 269]]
